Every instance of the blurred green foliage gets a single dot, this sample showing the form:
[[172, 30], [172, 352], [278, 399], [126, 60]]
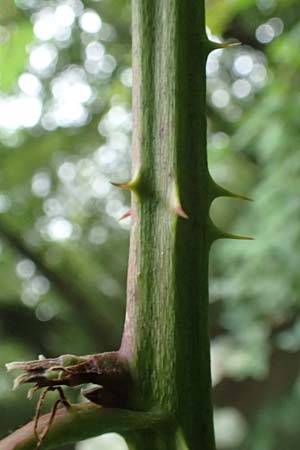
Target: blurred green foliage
[[65, 124], [14, 41]]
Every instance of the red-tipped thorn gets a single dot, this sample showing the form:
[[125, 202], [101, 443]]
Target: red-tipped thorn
[[175, 202], [127, 214], [121, 185], [243, 197], [225, 193], [181, 213]]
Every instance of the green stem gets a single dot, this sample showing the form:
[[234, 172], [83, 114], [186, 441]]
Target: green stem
[[150, 440], [165, 340], [166, 330], [84, 421]]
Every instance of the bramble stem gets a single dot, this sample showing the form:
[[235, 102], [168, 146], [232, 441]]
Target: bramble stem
[[166, 339], [166, 331], [85, 421]]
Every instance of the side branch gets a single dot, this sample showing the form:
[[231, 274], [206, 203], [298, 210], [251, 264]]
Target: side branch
[[81, 422]]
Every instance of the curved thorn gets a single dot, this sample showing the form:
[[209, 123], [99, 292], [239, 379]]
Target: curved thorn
[[180, 212], [175, 202], [218, 191], [121, 185], [127, 214], [133, 185]]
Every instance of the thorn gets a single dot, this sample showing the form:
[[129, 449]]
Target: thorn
[[132, 185], [228, 44], [216, 233], [121, 185], [235, 236], [127, 214], [175, 201], [239, 196], [180, 212], [219, 191], [221, 45]]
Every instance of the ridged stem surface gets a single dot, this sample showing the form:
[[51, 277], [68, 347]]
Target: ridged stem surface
[[166, 330]]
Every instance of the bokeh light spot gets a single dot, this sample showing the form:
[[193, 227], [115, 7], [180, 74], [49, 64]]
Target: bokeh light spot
[[64, 15], [42, 56], [25, 269], [265, 33], [59, 229], [41, 184], [29, 84], [90, 21], [243, 65], [241, 88], [220, 98]]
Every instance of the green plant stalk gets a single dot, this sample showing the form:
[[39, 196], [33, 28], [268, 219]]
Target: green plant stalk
[[166, 335], [84, 421]]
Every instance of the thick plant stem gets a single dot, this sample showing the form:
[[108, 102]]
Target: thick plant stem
[[165, 339], [84, 421], [166, 330], [150, 440]]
